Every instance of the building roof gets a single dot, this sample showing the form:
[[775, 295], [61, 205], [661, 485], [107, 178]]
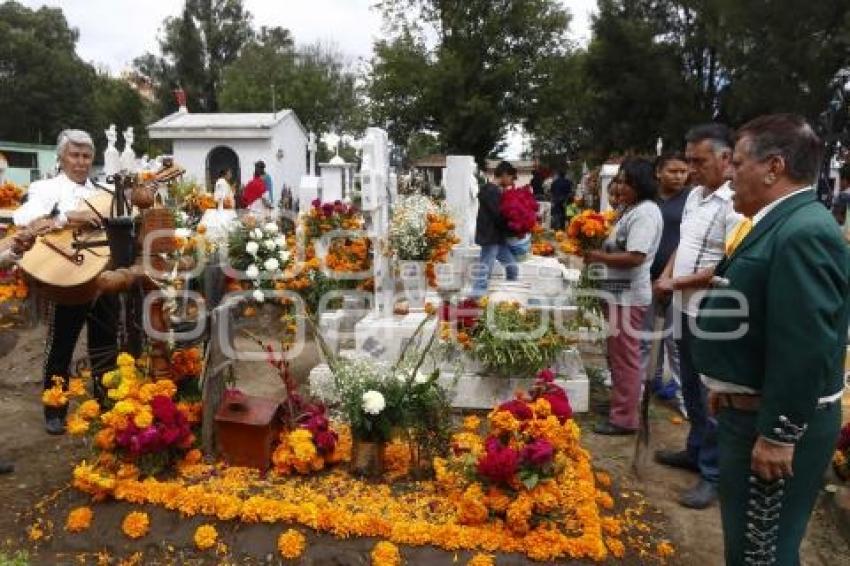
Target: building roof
[[220, 124], [519, 164]]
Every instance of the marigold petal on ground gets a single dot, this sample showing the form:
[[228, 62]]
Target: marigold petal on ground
[[205, 537], [291, 544], [385, 554], [136, 524]]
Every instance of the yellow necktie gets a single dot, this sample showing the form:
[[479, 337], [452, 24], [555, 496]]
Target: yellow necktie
[[738, 234]]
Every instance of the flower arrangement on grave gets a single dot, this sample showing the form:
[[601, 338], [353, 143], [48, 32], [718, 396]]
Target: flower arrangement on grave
[[841, 458], [10, 195], [421, 229], [141, 427], [507, 340], [197, 202], [520, 471], [458, 321], [380, 401], [541, 241], [260, 253], [322, 218]]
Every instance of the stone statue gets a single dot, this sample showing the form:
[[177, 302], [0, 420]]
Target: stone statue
[[111, 157], [311, 153], [128, 157]]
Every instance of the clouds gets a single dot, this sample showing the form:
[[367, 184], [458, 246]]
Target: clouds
[[114, 32]]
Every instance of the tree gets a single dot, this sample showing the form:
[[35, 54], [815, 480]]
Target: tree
[[196, 47], [311, 80], [46, 87], [43, 83], [480, 77]]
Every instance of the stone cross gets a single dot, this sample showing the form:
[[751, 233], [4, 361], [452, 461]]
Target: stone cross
[[374, 179]]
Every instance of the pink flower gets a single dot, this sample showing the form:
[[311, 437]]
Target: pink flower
[[325, 441], [316, 203], [546, 376], [499, 463], [538, 453]]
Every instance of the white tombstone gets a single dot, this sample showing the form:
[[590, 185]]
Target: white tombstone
[[4, 165], [462, 195], [309, 189], [111, 157], [311, 154], [128, 157], [336, 179], [606, 175]]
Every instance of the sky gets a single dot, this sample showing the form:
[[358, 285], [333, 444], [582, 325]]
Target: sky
[[114, 32]]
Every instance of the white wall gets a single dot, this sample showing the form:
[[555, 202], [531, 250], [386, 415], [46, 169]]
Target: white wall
[[289, 137]]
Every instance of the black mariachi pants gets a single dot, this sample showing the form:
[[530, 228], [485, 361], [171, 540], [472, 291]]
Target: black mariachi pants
[[65, 322], [764, 523]]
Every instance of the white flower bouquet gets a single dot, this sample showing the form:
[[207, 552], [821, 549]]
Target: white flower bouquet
[[260, 252]]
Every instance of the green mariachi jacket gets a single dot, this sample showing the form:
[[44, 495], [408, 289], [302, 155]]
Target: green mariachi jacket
[[794, 270]]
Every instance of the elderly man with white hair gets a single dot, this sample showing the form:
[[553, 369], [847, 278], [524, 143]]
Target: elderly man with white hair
[[60, 201]]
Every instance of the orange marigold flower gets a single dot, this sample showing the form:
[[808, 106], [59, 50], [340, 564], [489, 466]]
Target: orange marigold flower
[[76, 387], [79, 519], [105, 438], [205, 537], [291, 544], [136, 524], [471, 509], [385, 553], [665, 549], [89, 410]]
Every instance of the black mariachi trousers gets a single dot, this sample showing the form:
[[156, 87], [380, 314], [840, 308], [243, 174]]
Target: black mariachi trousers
[[65, 322]]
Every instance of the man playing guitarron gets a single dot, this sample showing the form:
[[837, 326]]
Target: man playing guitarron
[[60, 201]]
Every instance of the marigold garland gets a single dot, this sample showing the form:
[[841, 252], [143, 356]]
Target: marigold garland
[[385, 553], [481, 560], [205, 537], [79, 519], [291, 544], [136, 524]]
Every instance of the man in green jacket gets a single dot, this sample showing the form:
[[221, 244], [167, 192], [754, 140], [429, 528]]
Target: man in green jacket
[[771, 344]]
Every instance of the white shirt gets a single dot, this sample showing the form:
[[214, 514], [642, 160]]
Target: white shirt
[[706, 222], [60, 192], [222, 190], [767, 208]]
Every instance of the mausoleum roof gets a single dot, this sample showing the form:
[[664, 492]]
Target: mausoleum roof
[[219, 124]]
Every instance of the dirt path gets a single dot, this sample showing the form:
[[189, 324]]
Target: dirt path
[[44, 464]]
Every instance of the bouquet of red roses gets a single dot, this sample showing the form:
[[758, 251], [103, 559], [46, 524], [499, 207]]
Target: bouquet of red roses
[[519, 209]]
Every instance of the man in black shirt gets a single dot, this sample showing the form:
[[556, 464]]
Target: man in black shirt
[[672, 172], [562, 194]]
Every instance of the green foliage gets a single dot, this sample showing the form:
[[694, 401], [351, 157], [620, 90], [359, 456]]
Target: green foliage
[[312, 80], [508, 340], [196, 47], [478, 79], [20, 558]]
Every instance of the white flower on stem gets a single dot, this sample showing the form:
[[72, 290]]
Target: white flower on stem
[[270, 245], [182, 232], [373, 402], [284, 256], [271, 264], [252, 272], [252, 248], [257, 234], [280, 241], [420, 377], [270, 228], [259, 296]]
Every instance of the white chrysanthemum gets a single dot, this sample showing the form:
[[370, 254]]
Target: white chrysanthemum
[[252, 248], [259, 296], [270, 228], [284, 256], [271, 264], [253, 271], [280, 241], [270, 245], [373, 402], [257, 234]]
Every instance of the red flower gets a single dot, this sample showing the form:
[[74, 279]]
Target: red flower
[[165, 410], [560, 403], [519, 209], [518, 408], [538, 453], [325, 441], [499, 463], [546, 376]]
